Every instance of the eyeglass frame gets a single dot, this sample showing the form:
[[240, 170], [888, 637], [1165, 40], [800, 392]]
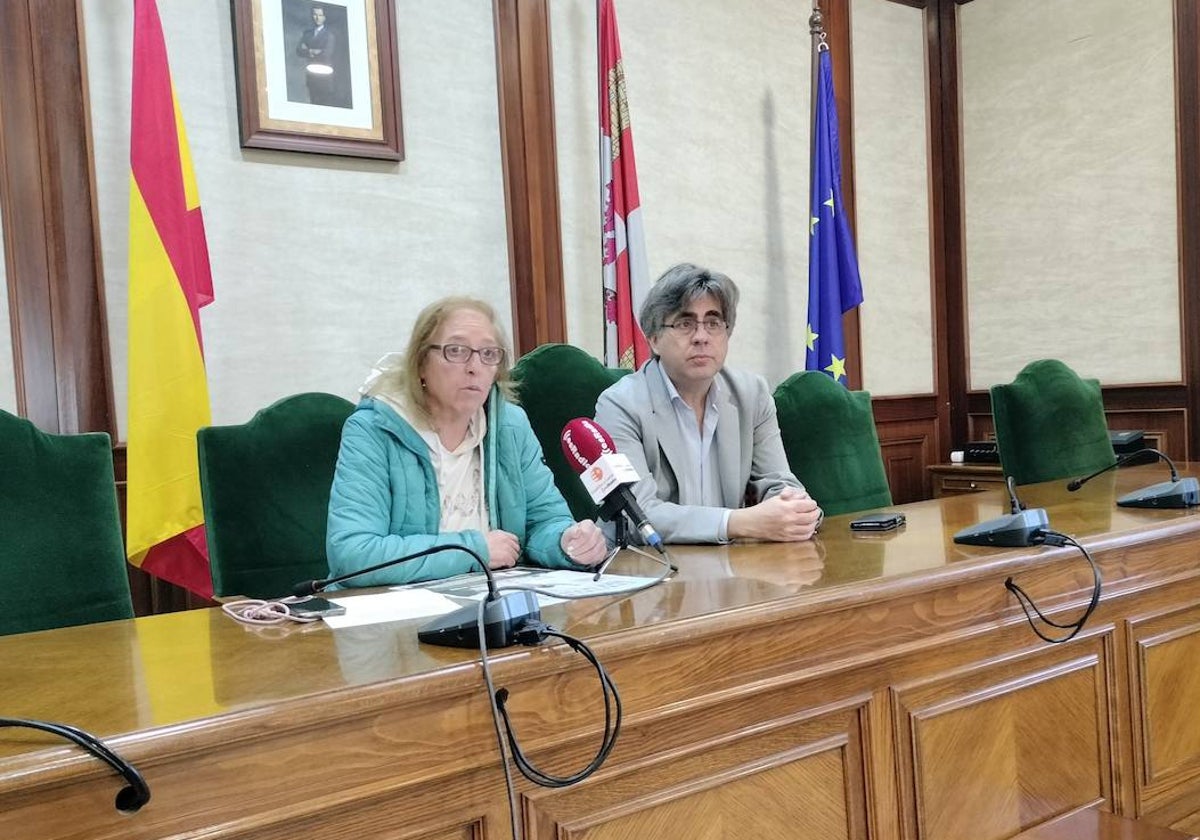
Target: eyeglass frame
[[678, 325], [473, 350]]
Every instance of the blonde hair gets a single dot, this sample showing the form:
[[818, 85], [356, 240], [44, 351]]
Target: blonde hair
[[404, 378]]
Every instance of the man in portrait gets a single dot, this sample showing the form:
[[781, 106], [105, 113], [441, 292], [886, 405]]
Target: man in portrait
[[318, 48]]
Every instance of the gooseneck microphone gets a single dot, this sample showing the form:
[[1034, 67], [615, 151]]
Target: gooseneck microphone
[[1015, 505], [607, 475], [1075, 483], [130, 798], [503, 615], [312, 587], [1018, 529], [1176, 493]]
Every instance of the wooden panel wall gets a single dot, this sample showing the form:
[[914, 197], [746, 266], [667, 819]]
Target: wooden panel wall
[[528, 153], [946, 207], [908, 440], [1187, 155], [51, 239]]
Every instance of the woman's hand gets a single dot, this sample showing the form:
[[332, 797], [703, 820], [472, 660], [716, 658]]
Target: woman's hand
[[584, 543], [503, 549]]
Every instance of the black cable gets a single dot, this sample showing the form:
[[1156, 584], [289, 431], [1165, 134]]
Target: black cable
[[130, 798], [509, 787], [1054, 538], [612, 720], [532, 633]]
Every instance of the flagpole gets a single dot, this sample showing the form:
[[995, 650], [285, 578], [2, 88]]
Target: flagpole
[[816, 28]]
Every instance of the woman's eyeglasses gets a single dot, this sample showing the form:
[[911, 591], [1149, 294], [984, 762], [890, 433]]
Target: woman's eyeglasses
[[460, 354]]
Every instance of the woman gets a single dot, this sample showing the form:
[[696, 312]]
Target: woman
[[435, 454]]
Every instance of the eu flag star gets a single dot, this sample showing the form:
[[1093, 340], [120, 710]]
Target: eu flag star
[[837, 368], [811, 337]]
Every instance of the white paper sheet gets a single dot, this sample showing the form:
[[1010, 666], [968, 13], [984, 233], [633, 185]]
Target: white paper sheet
[[394, 605], [562, 582], [436, 597]]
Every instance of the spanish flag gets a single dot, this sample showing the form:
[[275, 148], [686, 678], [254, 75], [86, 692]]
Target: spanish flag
[[169, 280]]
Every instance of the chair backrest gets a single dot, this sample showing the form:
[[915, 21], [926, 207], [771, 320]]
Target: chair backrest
[[557, 383], [266, 485], [831, 443], [62, 558], [1050, 424]]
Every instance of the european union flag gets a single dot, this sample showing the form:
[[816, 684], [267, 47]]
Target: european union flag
[[834, 285]]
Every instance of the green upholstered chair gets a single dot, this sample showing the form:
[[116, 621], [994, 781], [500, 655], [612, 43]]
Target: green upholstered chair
[[831, 443], [557, 383], [1050, 424], [62, 558], [265, 485]]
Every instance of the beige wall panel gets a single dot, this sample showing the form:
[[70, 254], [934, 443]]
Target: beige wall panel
[[320, 264], [1070, 186], [891, 163], [719, 105], [8, 379]]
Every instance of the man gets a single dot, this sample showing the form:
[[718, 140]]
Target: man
[[704, 437], [316, 48]]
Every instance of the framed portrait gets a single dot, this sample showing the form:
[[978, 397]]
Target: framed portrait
[[318, 76]]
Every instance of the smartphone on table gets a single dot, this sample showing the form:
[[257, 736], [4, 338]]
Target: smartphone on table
[[881, 521], [315, 608]]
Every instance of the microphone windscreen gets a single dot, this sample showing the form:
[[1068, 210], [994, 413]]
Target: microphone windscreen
[[583, 441]]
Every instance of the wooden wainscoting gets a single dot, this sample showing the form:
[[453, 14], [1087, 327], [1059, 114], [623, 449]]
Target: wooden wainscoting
[[1037, 723], [907, 428], [1166, 428], [1164, 647], [728, 784]]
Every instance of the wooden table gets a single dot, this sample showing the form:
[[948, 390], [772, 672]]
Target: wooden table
[[882, 686]]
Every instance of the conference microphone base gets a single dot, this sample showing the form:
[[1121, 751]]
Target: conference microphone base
[[502, 617], [1183, 493], [1016, 530]]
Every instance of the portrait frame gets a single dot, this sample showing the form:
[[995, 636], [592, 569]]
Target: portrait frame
[[348, 104]]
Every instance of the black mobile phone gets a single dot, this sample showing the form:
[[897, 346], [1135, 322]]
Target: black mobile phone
[[315, 608], [883, 521]]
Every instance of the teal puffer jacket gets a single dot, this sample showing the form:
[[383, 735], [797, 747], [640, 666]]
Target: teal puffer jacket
[[385, 502]]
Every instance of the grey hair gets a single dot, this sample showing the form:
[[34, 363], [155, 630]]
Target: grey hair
[[678, 286]]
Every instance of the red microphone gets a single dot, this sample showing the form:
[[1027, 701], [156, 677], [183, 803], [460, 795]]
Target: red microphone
[[606, 473], [583, 442]]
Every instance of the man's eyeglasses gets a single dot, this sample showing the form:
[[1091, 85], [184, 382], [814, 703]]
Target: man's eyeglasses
[[460, 354], [687, 325]]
